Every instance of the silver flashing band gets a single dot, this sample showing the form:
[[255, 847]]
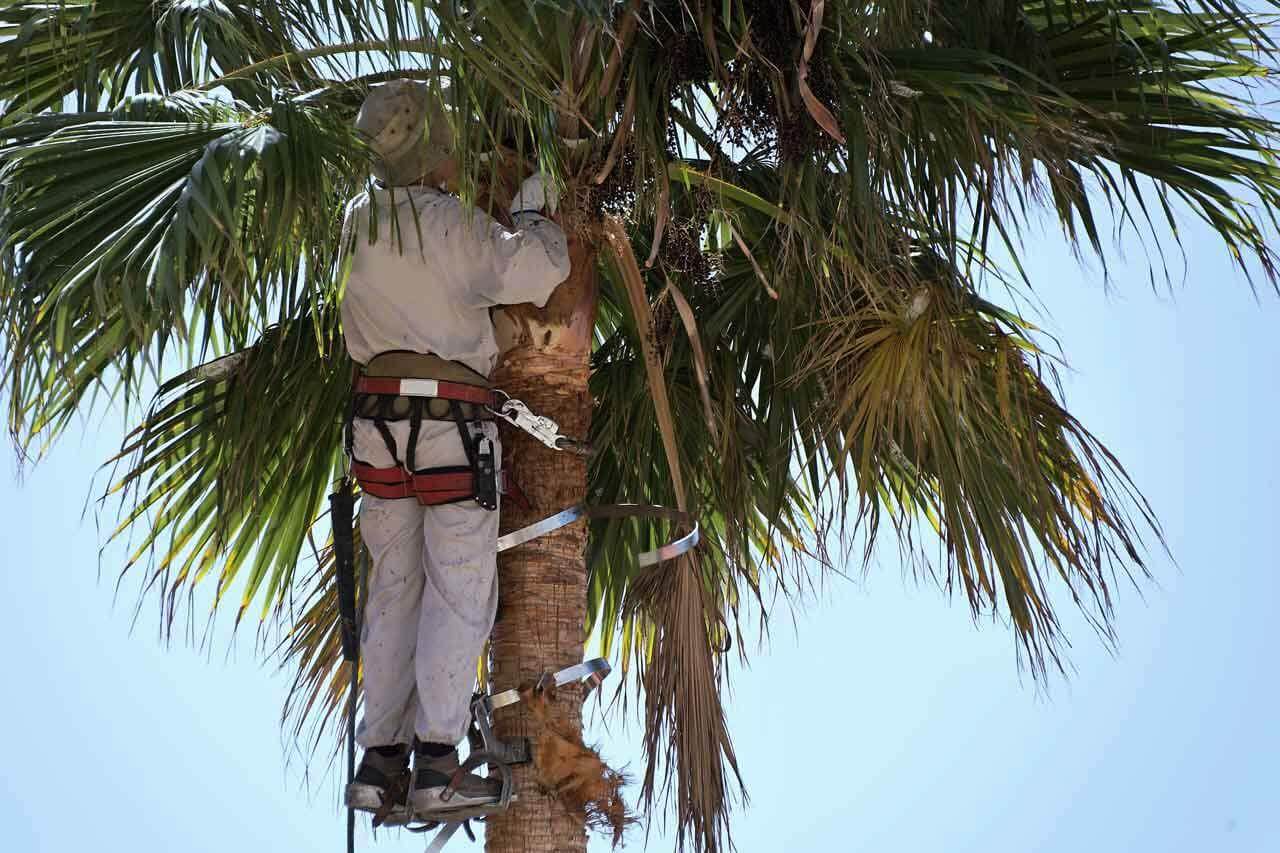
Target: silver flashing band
[[683, 545], [565, 517], [540, 528], [596, 668]]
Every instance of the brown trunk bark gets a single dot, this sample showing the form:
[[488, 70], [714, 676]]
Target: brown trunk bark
[[543, 585]]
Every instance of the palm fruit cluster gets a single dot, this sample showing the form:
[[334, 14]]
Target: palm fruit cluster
[[750, 115], [679, 44], [799, 136], [756, 114], [794, 138], [617, 194], [774, 32], [673, 140], [697, 270], [681, 252], [702, 201], [687, 58], [731, 126], [682, 258], [662, 325]]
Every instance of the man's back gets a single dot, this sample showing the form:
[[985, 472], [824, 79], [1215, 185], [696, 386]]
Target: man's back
[[436, 268]]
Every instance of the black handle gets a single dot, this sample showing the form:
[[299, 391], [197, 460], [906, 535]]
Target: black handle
[[341, 512]]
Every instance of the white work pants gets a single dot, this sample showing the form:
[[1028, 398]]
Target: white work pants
[[432, 597]]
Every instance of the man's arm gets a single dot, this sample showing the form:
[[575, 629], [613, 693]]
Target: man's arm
[[527, 261]]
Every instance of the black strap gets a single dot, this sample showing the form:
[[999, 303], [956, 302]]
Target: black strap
[[415, 426], [348, 430], [464, 431], [341, 519], [388, 439]]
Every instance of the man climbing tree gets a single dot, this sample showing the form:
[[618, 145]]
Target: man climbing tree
[[794, 240], [416, 307]]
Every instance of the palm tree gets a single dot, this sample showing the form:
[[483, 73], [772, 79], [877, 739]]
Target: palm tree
[[784, 312]]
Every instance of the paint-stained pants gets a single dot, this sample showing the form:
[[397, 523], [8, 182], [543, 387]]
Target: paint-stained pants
[[432, 597]]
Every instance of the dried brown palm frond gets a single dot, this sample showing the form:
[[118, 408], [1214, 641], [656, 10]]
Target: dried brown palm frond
[[683, 712], [574, 772]]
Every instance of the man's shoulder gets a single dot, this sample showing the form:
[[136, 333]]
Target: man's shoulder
[[407, 198]]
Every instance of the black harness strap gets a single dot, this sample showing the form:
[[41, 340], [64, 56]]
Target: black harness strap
[[416, 405], [348, 430], [388, 439]]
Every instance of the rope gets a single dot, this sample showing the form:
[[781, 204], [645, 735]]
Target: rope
[[351, 752]]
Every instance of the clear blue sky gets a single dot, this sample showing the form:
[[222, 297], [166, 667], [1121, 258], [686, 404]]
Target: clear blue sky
[[885, 721]]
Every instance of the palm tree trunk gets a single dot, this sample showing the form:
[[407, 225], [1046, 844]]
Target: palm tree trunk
[[543, 585]]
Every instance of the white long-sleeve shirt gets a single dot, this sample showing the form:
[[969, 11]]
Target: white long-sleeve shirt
[[428, 284]]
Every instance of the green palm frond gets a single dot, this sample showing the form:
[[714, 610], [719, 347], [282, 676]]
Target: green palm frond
[[948, 416], [161, 233], [96, 52], [229, 470], [928, 402], [1132, 100]]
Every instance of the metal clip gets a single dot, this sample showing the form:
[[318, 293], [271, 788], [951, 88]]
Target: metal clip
[[540, 427]]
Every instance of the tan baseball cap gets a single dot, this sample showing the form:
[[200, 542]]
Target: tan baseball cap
[[407, 127]]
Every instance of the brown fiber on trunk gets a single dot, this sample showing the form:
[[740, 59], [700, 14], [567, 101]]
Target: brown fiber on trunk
[[543, 584]]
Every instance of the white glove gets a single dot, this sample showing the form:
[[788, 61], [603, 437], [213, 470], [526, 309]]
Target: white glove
[[537, 191]]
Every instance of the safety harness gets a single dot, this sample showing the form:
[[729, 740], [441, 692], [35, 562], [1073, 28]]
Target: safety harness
[[400, 386]]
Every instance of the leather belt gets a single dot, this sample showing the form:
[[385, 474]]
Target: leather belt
[[442, 389]]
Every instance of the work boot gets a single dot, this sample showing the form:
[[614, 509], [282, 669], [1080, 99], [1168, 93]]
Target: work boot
[[435, 768], [380, 780]]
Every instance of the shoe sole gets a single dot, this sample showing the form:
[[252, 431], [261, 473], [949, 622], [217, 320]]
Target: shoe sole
[[368, 798]]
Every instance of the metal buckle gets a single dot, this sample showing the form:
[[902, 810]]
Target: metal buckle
[[540, 427]]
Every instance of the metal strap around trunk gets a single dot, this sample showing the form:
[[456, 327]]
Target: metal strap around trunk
[[563, 518], [568, 516], [595, 669]]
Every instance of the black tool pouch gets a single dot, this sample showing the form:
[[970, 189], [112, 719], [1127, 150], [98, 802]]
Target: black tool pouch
[[485, 474], [479, 450], [341, 517]]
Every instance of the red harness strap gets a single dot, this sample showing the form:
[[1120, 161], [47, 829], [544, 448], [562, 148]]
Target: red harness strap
[[432, 487], [427, 388]]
